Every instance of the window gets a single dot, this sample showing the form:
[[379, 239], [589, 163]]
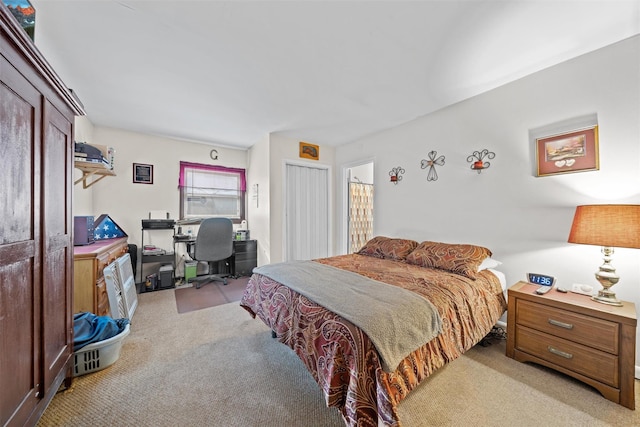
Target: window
[[211, 191]]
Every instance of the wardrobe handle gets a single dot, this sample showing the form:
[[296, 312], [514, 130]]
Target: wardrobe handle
[[561, 324]]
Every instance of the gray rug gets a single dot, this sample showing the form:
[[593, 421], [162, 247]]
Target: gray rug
[[219, 367], [211, 294]]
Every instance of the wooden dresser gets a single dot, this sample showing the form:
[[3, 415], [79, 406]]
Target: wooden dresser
[[89, 287], [587, 340]]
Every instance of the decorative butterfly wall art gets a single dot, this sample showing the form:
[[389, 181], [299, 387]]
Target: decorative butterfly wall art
[[432, 175]]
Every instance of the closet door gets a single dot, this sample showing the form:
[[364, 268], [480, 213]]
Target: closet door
[[20, 247], [307, 212]]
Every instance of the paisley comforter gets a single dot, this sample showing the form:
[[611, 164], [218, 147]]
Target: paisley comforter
[[343, 360]]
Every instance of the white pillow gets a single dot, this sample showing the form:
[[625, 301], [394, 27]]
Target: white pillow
[[488, 263]]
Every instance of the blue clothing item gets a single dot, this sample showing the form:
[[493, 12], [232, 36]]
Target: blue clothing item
[[89, 328]]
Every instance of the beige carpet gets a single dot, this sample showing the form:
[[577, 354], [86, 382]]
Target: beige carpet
[[219, 367]]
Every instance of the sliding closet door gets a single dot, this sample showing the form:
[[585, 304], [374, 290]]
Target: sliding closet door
[[306, 212]]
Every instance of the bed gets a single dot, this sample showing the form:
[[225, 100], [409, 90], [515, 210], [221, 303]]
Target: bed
[[459, 281]]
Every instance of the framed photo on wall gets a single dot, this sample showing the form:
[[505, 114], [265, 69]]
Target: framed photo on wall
[[574, 151], [309, 151], [24, 13], [142, 173]]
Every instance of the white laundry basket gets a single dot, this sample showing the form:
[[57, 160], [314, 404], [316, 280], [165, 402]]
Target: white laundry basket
[[98, 355]]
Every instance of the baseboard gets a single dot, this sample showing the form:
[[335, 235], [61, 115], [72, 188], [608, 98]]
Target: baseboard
[[503, 325]]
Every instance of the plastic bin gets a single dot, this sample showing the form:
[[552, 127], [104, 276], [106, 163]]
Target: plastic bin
[[190, 270], [99, 355]]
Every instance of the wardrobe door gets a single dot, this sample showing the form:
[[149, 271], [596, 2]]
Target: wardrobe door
[[20, 247], [57, 256]]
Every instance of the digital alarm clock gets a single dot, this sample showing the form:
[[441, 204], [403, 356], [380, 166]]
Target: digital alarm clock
[[541, 279]]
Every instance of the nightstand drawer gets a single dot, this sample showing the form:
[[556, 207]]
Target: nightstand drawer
[[587, 361], [597, 333]]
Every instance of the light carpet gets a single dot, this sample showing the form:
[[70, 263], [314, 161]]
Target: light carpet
[[219, 367]]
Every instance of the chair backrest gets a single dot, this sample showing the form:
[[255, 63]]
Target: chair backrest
[[215, 240]]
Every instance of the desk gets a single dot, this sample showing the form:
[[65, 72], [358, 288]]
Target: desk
[[243, 260]]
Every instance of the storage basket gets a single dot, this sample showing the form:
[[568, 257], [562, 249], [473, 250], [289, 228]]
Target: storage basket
[[98, 355]]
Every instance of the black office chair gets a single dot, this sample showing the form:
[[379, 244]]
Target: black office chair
[[214, 243]]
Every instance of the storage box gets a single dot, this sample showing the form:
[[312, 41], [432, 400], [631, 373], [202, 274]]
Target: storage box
[[83, 230], [165, 275], [99, 355], [190, 270]]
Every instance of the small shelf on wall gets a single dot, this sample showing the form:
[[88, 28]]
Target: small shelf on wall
[[92, 171]]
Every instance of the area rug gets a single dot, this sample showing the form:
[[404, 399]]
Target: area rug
[[209, 294]]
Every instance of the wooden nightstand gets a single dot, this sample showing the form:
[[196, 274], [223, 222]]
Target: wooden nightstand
[[592, 342]]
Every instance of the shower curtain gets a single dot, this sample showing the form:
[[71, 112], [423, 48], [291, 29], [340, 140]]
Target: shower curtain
[[360, 215]]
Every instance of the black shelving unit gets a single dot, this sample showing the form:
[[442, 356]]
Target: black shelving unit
[[160, 225]]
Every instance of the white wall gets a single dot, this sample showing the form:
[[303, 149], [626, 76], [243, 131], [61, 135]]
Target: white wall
[[82, 198], [523, 219], [258, 211], [128, 203]]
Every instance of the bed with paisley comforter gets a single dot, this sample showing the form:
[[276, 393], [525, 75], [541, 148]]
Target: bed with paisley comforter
[[457, 280]]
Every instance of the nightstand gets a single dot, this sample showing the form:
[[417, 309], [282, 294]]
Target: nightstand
[[592, 342]]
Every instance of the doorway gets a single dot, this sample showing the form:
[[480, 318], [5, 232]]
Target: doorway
[[360, 192]]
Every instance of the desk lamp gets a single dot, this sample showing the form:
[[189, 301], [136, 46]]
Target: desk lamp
[[608, 226]]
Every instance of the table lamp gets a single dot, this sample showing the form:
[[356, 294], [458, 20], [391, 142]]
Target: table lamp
[[608, 226]]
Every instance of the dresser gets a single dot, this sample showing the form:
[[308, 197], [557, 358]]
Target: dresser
[[89, 287], [587, 340]]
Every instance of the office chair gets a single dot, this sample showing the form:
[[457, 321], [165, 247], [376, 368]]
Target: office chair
[[214, 243]]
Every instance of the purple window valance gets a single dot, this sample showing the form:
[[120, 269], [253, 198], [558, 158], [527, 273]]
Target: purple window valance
[[210, 168]]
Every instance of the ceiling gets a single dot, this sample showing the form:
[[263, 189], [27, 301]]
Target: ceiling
[[328, 72]]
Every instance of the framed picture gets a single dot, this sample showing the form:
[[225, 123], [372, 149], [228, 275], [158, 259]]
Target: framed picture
[[574, 151], [24, 13], [142, 174], [309, 151]]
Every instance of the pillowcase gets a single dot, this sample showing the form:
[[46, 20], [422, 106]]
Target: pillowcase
[[387, 248], [488, 263], [456, 258]]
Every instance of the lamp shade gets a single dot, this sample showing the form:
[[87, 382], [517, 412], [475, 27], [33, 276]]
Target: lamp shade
[[607, 225]]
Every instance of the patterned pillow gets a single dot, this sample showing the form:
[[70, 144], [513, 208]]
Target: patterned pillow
[[459, 259], [387, 248]]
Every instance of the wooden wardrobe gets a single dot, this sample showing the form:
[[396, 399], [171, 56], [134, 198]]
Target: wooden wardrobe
[[36, 244]]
